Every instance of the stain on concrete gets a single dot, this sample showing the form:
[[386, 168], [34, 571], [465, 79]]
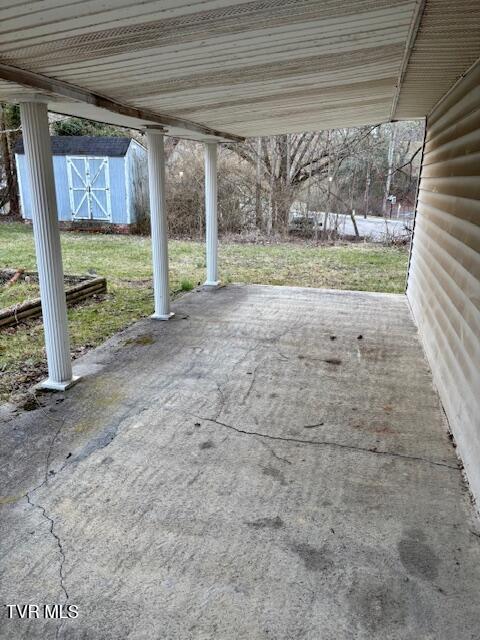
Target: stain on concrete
[[416, 534], [275, 474], [381, 429], [208, 444], [142, 340], [105, 397], [313, 558], [418, 559], [11, 499], [376, 354], [101, 441], [84, 426], [266, 523], [377, 608]]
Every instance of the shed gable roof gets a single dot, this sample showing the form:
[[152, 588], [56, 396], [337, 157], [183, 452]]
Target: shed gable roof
[[84, 146]]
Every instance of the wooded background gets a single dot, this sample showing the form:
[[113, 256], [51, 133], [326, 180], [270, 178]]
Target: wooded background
[[262, 181]]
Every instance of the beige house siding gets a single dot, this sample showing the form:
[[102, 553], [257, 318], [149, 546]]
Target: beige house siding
[[444, 276]]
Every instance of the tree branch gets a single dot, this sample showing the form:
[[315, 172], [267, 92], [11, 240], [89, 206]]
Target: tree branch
[[409, 162]]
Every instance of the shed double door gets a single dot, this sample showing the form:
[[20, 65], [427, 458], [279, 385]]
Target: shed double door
[[89, 187]]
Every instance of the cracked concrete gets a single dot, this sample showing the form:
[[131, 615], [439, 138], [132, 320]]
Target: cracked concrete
[[57, 540], [322, 443], [271, 463]]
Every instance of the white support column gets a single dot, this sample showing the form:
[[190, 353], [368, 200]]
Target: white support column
[[158, 221], [211, 213], [38, 153]]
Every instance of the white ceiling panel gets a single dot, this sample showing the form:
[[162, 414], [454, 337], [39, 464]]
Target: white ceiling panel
[[225, 69]]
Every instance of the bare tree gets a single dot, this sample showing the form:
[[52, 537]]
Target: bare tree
[[286, 162]]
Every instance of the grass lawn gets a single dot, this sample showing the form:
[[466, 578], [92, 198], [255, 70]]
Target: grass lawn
[[126, 263]]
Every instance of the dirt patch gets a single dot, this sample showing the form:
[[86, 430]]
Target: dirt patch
[[30, 404]]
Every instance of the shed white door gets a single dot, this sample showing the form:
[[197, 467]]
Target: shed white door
[[89, 187]]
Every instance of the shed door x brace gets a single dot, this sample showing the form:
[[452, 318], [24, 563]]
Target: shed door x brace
[[89, 188]]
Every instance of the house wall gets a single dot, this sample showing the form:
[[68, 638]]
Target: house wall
[[118, 191], [444, 275]]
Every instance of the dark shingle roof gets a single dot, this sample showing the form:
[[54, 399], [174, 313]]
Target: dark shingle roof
[[84, 146]]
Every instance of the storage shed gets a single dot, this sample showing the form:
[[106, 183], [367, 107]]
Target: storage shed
[[98, 180]]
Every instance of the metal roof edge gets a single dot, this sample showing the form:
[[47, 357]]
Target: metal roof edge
[[410, 43]]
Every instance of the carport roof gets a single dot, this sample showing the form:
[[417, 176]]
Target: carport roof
[[224, 69]]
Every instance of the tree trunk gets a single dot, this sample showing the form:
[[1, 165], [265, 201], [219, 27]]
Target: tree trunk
[[271, 210], [388, 181], [282, 208], [258, 187], [8, 166], [366, 196], [354, 222]]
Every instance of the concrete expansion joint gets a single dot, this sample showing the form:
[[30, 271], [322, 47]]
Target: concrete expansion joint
[[329, 443]]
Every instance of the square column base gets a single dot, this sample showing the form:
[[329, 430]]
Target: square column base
[[162, 317], [214, 283], [57, 386]]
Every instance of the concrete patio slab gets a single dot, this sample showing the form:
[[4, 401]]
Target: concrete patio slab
[[272, 463]]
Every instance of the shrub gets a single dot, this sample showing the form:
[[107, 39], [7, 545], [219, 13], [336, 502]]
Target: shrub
[[186, 285]]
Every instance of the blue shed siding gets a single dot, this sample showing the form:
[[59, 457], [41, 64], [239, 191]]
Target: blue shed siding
[[25, 200], [118, 192], [61, 187], [118, 188]]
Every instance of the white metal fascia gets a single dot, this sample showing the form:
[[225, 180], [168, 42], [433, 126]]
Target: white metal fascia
[[412, 34]]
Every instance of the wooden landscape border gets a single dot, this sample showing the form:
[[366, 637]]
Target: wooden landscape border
[[33, 308]]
